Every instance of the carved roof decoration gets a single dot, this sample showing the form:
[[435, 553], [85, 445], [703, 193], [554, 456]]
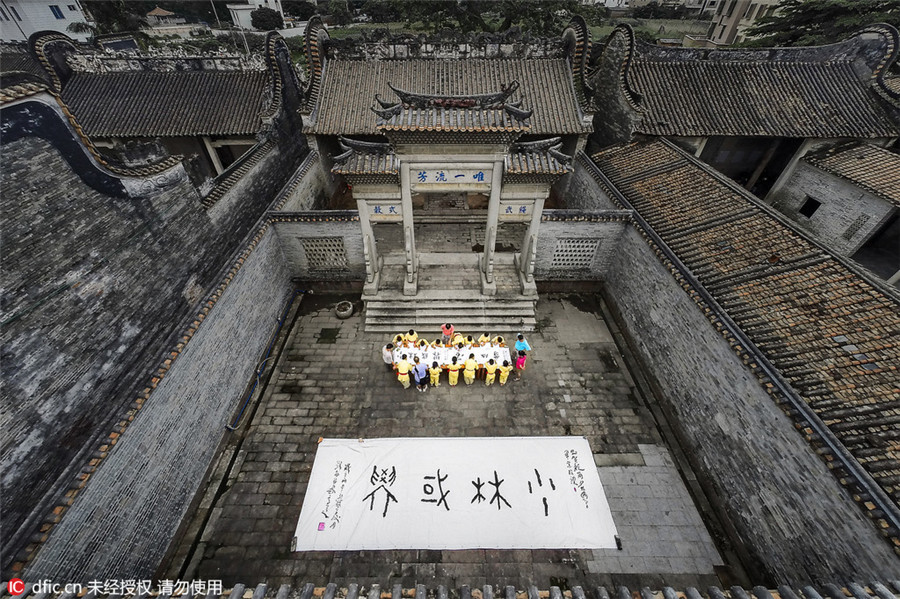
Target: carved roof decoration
[[577, 43], [489, 100], [839, 353], [431, 112], [811, 92], [348, 87], [872, 168], [541, 157], [9, 93], [316, 38]]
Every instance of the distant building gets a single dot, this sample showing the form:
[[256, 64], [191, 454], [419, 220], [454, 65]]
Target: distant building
[[20, 18], [240, 13], [161, 16], [733, 17]]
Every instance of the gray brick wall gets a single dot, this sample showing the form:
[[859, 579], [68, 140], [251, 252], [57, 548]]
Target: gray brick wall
[[121, 523], [848, 215], [576, 249], [94, 289], [308, 191], [797, 522], [305, 237]]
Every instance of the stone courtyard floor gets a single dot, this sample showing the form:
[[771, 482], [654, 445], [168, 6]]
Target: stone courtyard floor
[[330, 382]]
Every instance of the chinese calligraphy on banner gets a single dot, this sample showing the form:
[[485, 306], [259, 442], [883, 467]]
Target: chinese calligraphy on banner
[[454, 493]]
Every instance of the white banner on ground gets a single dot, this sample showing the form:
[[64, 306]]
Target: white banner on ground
[[454, 493]]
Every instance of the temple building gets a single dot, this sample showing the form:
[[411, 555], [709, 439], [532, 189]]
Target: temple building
[[161, 216]]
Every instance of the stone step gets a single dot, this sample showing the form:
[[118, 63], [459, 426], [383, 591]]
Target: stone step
[[472, 315]]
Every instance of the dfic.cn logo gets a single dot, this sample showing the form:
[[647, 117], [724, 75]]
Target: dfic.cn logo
[[16, 586]]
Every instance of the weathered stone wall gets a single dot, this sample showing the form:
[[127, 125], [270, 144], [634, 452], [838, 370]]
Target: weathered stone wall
[[143, 488], [786, 507], [848, 216], [306, 191], [325, 245], [95, 286], [577, 246]]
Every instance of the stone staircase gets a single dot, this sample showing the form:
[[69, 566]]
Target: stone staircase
[[449, 290]]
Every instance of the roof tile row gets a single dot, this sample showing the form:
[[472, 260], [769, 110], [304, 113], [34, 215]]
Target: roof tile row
[[149, 103], [800, 306], [349, 89]]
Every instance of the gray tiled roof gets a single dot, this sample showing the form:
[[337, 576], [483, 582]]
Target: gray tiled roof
[[757, 98], [871, 167], [366, 163], [349, 88], [150, 103], [453, 119], [15, 59], [838, 352]]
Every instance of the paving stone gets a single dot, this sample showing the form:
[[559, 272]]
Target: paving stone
[[344, 391]]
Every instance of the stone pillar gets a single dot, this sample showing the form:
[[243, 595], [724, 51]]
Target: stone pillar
[[409, 237], [488, 286], [370, 250], [525, 263]]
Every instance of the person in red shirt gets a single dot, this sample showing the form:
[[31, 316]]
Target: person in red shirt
[[446, 333]]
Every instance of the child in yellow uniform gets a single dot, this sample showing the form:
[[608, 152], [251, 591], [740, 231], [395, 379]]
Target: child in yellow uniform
[[399, 339], [403, 368], [457, 339], [471, 367], [491, 368], [435, 372], [453, 372], [498, 340], [504, 372], [485, 338], [412, 337]]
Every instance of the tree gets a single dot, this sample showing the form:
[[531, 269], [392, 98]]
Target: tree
[[301, 9], [383, 11], [266, 19], [114, 16], [817, 22], [340, 13]]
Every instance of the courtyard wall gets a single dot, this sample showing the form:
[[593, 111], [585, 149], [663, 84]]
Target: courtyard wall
[[788, 515]]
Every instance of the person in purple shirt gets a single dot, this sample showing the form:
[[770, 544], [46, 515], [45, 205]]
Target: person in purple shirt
[[420, 373]]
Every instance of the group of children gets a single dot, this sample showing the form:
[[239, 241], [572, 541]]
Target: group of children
[[423, 375]]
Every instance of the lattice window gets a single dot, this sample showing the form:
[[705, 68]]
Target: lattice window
[[574, 253], [325, 253], [856, 226]]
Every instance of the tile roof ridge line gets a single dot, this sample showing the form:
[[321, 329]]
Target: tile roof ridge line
[[878, 284], [852, 466]]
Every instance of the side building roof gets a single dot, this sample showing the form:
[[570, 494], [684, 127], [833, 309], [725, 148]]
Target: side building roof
[[349, 87], [829, 91], [871, 167], [150, 103], [832, 335]]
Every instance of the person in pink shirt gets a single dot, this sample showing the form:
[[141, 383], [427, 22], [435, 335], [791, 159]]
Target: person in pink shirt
[[446, 333], [520, 364]]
